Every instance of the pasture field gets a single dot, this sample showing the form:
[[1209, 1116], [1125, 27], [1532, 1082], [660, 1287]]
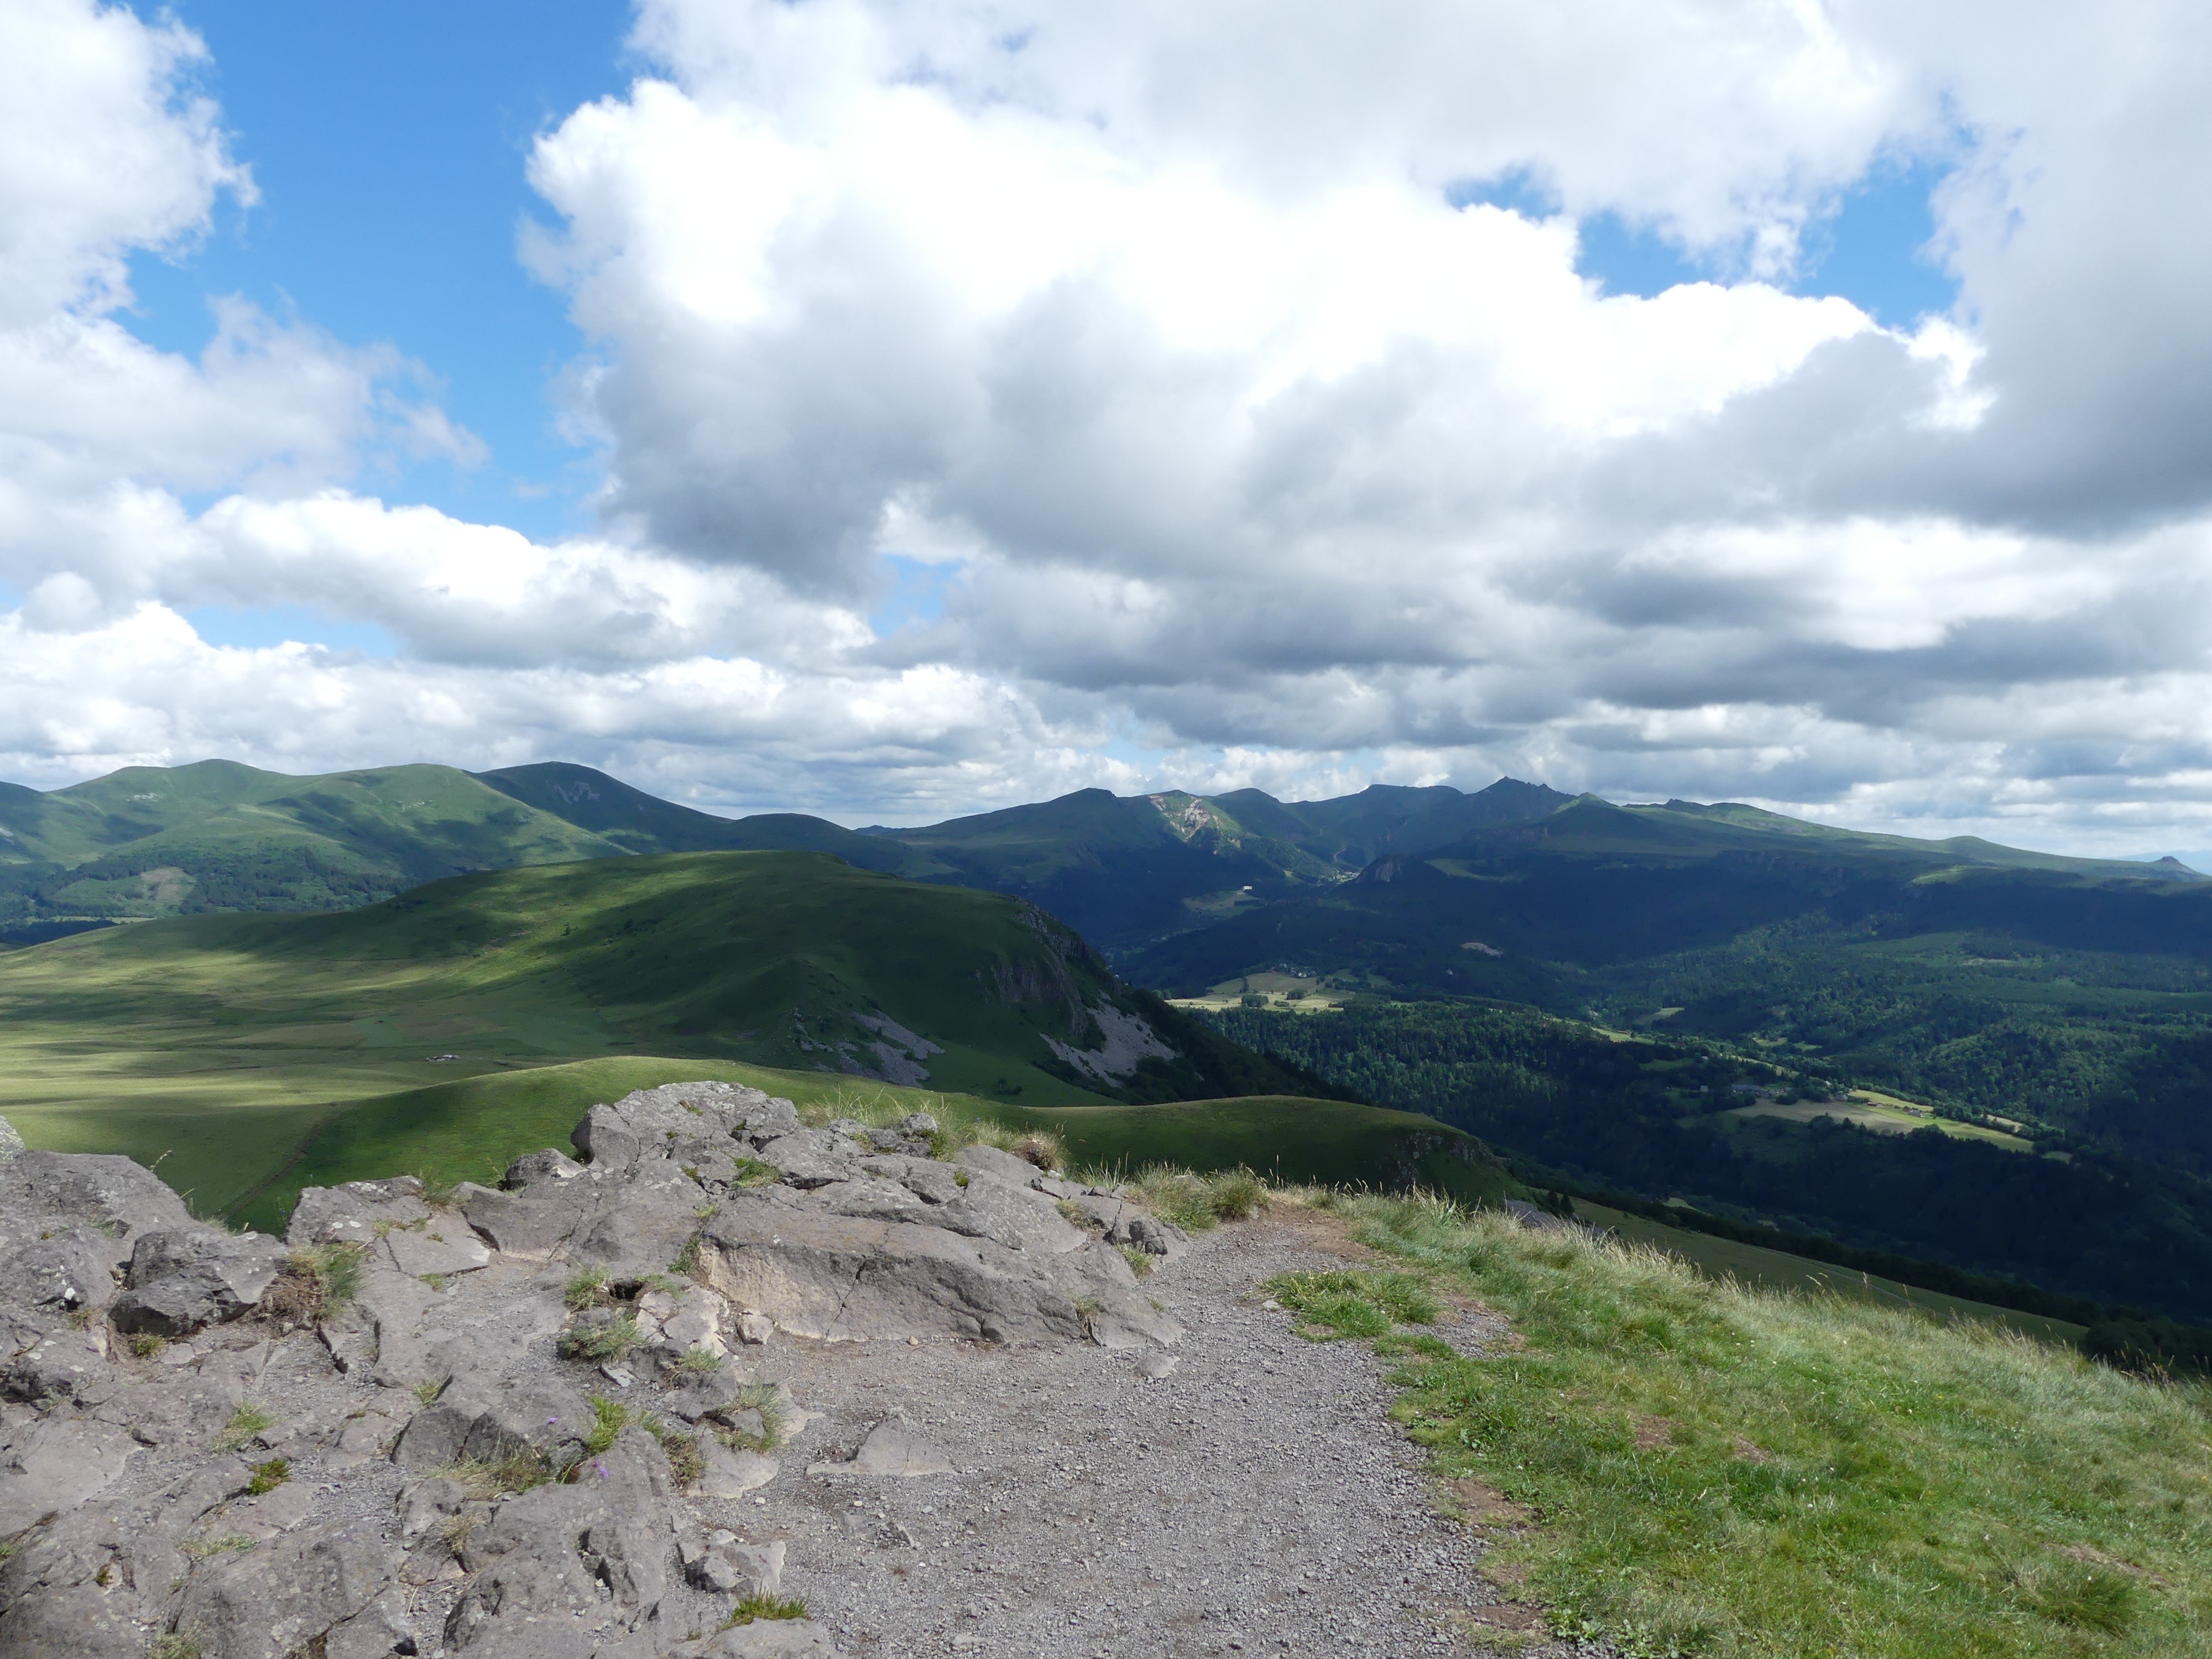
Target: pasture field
[[1286, 993], [1881, 1116]]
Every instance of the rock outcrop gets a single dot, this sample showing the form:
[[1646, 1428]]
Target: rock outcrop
[[526, 1420]]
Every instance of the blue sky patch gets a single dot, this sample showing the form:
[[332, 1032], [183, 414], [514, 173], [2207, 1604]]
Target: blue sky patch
[[1871, 248], [916, 595], [277, 624], [388, 143]]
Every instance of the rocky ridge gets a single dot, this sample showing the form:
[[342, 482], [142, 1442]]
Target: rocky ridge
[[526, 1420]]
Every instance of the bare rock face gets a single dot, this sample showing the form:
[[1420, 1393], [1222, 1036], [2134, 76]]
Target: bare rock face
[[184, 1278], [529, 1427]]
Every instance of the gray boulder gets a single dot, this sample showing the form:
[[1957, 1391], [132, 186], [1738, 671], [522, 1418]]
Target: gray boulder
[[11, 1143], [357, 1213], [181, 1281], [1004, 1165], [73, 1268], [67, 1362], [893, 1447], [765, 1639], [111, 1195], [54, 1463], [551, 1164]]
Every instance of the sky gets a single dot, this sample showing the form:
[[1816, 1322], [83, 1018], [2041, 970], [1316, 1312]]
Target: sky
[[890, 408]]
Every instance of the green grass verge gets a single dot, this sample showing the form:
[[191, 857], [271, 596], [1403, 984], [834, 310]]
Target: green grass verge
[[1730, 1472], [1776, 1270]]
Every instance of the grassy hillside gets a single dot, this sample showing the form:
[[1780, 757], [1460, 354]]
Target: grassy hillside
[[219, 1040], [472, 1128], [150, 842], [1693, 1466]]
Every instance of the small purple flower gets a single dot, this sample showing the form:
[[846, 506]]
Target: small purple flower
[[550, 1421], [602, 1468]]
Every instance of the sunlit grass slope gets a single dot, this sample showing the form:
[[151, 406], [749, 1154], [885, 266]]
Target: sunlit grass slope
[[1734, 1473], [217, 1039], [214, 1042]]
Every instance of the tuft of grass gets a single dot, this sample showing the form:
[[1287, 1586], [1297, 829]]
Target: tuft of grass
[[486, 1480], [1141, 1262], [438, 1187], [145, 1344], [268, 1476], [1356, 1304], [175, 1645], [609, 1419], [429, 1389], [603, 1343], [584, 1286], [762, 1398], [765, 1606], [686, 1461], [1732, 1471], [959, 1122], [248, 1420], [699, 1361], [686, 1265], [751, 1172], [315, 1282], [1197, 1203]]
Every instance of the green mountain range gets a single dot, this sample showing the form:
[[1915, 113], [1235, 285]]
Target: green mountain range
[[217, 835]]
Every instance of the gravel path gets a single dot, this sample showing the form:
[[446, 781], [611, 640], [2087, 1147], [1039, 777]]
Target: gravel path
[[1258, 1499]]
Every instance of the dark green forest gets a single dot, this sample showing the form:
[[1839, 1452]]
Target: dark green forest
[[1649, 1117], [2114, 1050]]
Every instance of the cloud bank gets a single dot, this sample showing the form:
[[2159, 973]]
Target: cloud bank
[[1251, 440]]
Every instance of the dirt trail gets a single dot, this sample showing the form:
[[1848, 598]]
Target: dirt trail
[[1257, 1499]]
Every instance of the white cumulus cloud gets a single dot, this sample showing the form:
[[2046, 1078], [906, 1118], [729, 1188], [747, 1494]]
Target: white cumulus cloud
[[1253, 439]]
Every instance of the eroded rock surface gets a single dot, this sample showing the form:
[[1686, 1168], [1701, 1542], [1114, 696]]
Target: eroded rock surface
[[536, 1420]]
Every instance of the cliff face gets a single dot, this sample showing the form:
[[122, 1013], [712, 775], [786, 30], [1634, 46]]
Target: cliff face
[[514, 1421]]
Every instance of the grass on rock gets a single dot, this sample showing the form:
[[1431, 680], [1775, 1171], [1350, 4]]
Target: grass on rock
[[1730, 1472], [268, 1476], [249, 1419], [315, 1282], [765, 1606]]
